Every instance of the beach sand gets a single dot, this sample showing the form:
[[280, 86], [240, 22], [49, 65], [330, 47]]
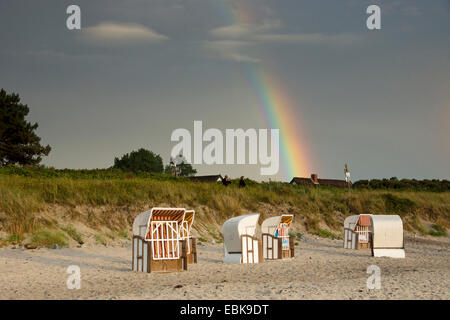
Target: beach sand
[[321, 269]]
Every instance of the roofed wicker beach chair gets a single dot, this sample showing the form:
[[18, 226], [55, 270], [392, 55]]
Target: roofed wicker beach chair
[[275, 237], [239, 240], [387, 236], [357, 232], [158, 242]]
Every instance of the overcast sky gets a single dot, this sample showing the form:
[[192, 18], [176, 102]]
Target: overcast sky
[[378, 100]]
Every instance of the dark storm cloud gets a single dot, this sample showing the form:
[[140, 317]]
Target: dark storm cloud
[[139, 69]]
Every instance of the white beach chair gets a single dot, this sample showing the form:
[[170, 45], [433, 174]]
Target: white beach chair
[[239, 240], [387, 236], [357, 232], [157, 244]]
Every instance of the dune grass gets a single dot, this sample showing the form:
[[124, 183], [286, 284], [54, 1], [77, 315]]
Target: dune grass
[[100, 239], [74, 234], [14, 238], [124, 234], [48, 238], [327, 234], [22, 197], [437, 230]]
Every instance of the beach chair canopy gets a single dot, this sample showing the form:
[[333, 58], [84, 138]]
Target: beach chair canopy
[[140, 223], [287, 219], [189, 219], [187, 224], [387, 231], [270, 225], [233, 228], [166, 215], [350, 222], [364, 220], [361, 219]]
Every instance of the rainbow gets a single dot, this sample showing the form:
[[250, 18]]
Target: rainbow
[[276, 106]]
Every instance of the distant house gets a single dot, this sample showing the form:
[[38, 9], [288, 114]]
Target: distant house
[[211, 178], [315, 181]]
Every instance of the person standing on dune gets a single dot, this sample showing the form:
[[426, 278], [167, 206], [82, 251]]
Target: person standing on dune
[[226, 181], [242, 182]]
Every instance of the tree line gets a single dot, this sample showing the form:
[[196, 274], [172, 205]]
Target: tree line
[[404, 184], [144, 160]]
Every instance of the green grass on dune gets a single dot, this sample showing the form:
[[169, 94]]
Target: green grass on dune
[[48, 238], [21, 197], [74, 234]]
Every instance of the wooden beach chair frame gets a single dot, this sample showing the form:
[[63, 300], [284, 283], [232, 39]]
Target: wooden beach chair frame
[[186, 235]]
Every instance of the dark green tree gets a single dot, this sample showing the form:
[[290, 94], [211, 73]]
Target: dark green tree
[[170, 169], [185, 169], [19, 143], [141, 160], [181, 169]]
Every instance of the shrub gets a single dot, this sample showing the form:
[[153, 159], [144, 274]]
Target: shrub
[[434, 185], [418, 225], [100, 239], [437, 231], [123, 234], [15, 238], [141, 160], [48, 239], [74, 234], [326, 234], [399, 205]]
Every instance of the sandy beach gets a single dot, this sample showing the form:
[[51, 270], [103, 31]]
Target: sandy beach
[[321, 269]]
